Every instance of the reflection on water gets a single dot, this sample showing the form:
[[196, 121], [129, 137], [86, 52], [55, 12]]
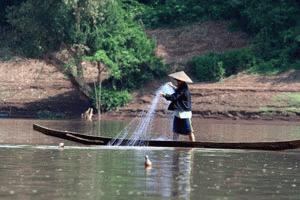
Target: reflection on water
[[232, 131], [33, 167], [14, 131], [171, 174], [118, 173], [20, 131]]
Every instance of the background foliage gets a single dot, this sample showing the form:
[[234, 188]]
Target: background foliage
[[208, 67], [112, 32], [111, 99], [273, 25], [215, 66], [102, 31]]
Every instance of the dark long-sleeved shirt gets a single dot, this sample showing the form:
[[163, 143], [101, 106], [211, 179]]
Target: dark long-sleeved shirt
[[180, 99]]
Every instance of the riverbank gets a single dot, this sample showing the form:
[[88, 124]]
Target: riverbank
[[45, 93], [243, 96], [31, 88]]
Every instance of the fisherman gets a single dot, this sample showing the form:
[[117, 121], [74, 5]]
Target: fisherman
[[181, 105]]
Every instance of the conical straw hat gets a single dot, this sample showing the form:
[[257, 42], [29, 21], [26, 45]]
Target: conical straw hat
[[181, 76]]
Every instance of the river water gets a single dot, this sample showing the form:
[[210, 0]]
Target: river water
[[33, 167]]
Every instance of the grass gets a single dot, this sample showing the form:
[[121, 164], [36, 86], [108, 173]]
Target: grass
[[263, 71], [291, 99], [271, 67], [267, 111]]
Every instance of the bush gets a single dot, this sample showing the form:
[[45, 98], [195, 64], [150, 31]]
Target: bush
[[39, 27], [4, 4], [273, 25], [128, 47], [208, 67], [179, 12], [111, 99], [236, 60], [270, 67], [214, 66], [42, 27]]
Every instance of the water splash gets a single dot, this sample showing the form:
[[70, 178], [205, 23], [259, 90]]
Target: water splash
[[141, 126]]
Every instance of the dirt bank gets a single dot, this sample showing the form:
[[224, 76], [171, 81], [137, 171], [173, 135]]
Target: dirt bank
[[240, 97], [178, 45], [33, 88]]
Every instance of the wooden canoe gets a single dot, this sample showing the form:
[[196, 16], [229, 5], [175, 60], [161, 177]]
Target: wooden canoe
[[98, 140]]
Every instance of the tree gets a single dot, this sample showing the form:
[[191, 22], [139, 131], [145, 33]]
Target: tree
[[99, 30]]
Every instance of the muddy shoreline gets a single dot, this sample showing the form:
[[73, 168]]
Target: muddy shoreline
[[120, 115], [242, 116], [243, 97]]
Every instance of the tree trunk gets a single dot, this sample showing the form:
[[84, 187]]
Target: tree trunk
[[79, 69], [78, 83], [101, 68]]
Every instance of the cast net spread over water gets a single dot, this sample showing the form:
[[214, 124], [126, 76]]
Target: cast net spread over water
[[141, 128]]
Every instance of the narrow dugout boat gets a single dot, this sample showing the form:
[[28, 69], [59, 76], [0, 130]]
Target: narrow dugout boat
[[98, 140]]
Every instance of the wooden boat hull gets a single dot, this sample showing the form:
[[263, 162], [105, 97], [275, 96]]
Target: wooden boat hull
[[98, 140]]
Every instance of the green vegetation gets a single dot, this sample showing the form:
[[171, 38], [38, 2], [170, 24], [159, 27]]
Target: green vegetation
[[208, 67], [103, 32], [5, 53], [111, 34], [215, 66], [274, 27], [3, 6], [292, 99], [159, 13], [111, 99], [271, 112]]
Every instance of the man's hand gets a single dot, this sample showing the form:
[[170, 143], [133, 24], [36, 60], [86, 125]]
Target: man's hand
[[171, 85]]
